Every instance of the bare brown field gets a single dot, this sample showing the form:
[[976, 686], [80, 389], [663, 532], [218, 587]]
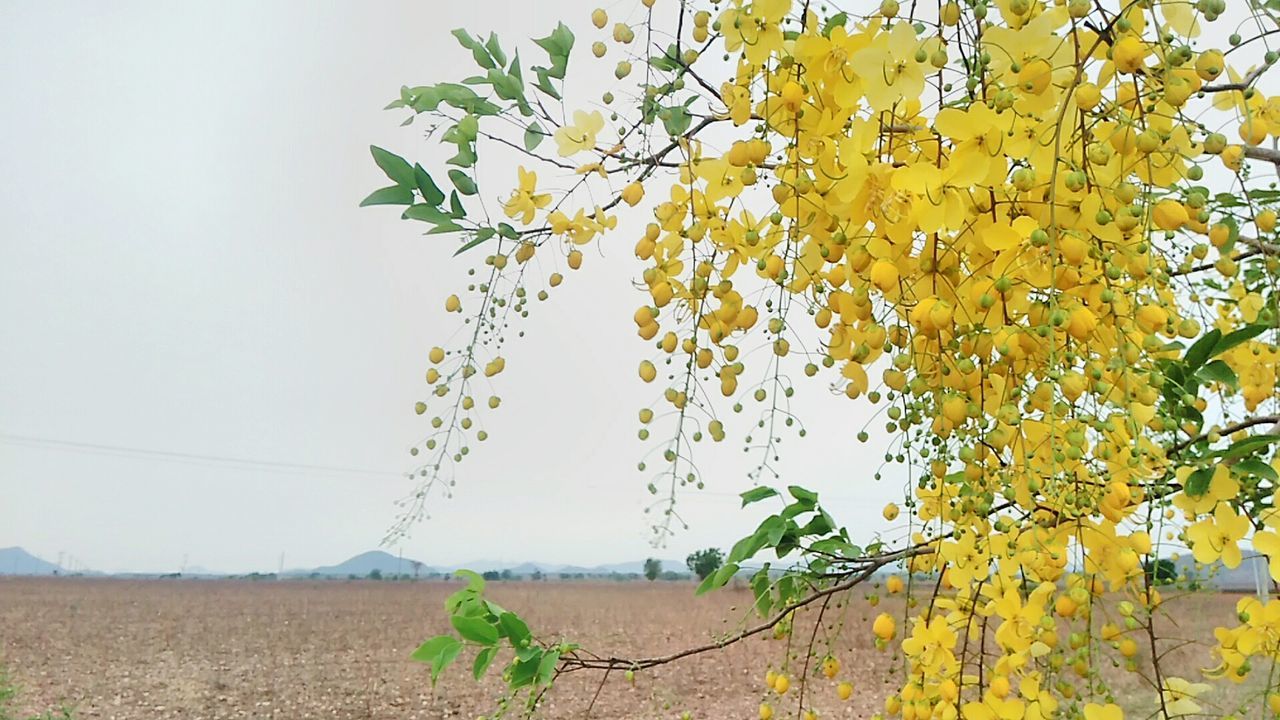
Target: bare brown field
[[126, 650], [226, 649]]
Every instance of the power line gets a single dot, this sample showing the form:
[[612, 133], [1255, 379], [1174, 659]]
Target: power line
[[168, 455]]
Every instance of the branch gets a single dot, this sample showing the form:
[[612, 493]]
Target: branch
[[1209, 266], [1253, 152], [1229, 430], [1264, 248], [861, 576], [1244, 83]]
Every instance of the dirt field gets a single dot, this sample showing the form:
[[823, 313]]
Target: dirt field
[[193, 649], [222, 649]]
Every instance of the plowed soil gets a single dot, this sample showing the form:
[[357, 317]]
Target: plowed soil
[[193, 649]]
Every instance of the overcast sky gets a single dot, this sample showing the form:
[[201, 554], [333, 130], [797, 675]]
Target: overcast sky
[[184, 270]]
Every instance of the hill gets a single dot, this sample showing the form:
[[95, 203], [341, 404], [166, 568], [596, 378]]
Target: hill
[[16, 561], [363, 564]]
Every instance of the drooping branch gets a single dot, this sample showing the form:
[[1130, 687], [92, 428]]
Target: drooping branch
[[1255, 152], [869, 568], [1244, 84], [1273, 420]]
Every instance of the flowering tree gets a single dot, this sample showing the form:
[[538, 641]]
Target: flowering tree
[[1038, 236]]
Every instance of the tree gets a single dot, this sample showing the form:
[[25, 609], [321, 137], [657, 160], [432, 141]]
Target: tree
[[704, 562], [652, 569], [1020, 234], [1160, 571], [375, 574], [417, 568]]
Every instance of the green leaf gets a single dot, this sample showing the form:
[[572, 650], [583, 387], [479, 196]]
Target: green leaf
[[482, 662], [718, 578], [473, 242], [1236, 337], [515, 628], [1198, 482], [468, 127], [837, 547], [547, 667], [558, 46], [475, 583], [1219, 371], [463, 182], [1250, 444], [391, 195], [544, 83], [525, 670], [747, 547], [439, 652], [477, 630], [833, 22], [427, 213], [677, 120], [507, 87], [508, 232], [760, 586], [774, 527], [430, 192], [465, 157], [430, 649], [533, 136], [668, 61], [530, 652], [1202, 349], [427, 98], [821, 524], [478, 51], [445, 227], [455, 206], [757, 494], [495, 50], [464, 38], [803, 495], [1254, 466], [396, 167]]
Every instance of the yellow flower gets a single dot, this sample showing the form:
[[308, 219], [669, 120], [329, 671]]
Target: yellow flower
[[1221, 487], [1110, 711], [1179, 696], [888, 67], [737, 100], [1267, 542], [755, 30], [1216, 537], [524, 202], [931, 645], [883, 627], [581, 135]]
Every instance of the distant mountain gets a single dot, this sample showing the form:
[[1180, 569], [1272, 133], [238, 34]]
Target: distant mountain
[[365, 563], [635, 567], [16, 561]]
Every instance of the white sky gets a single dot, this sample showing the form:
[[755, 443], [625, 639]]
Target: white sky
[[183, 268]]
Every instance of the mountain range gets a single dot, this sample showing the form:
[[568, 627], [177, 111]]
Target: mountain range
[[16, 561], [387, 564]]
